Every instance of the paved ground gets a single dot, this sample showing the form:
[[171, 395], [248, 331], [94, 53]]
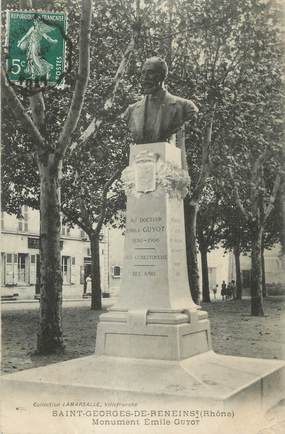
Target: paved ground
[[234, 331]]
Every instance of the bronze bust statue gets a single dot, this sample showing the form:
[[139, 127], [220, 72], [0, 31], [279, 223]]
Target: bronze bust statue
[[158, 115]]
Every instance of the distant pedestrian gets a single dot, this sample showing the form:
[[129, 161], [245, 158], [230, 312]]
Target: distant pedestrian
[[88, 283], [224, 290], [215, 290], [229, 291], [84, 286], [234, 289]]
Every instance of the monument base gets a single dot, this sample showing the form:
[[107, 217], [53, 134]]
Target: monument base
[[207, 378], [166, 335], [225, 394]]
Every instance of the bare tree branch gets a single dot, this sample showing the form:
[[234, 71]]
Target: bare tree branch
[[71, 217], [104, 199], [237, 196], [275, 189], [215, 61], [256, 178], [96, 123], [210, 232], [232, 66], [38, 111], [124, 12], [22, 115], [205, 157], [82, 81], [120, 72]]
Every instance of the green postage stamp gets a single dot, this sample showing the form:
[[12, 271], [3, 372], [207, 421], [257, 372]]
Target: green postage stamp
[[35, 43]]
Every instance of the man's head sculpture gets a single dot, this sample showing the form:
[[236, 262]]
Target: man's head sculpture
[[154, 72], [159, 116]]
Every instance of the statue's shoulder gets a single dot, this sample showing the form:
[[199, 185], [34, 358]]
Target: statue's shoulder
[[170, 99], [128, 112], [136, 104], [173, 99], [185, 106]]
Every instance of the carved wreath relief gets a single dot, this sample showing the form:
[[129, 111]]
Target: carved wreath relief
[[149, 174]]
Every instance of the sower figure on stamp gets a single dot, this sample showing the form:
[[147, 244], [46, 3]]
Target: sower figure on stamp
[[159, 116], [37, 66]]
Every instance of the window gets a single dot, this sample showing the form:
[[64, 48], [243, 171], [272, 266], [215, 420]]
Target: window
[[83, 235], [26, 218], [65, 231], [9, 258], [73, 261], [23, 221], [23, 268], [33, 243], [66, 269], [2, 220], [116, 271]]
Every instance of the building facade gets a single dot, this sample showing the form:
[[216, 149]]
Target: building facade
[[221, 266], [20, 259], [274, 264]]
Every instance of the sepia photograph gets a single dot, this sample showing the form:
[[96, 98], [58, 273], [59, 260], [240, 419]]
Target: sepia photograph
[[142, 217]]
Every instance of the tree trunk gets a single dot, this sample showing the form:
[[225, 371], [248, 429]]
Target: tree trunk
[[264, 292], [256, 273], [282, 199], [205, 275], [96, 295], [190, 212], [238, 273], [50, 337]]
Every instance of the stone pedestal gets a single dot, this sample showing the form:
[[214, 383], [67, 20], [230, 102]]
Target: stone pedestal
[[155, 316]]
